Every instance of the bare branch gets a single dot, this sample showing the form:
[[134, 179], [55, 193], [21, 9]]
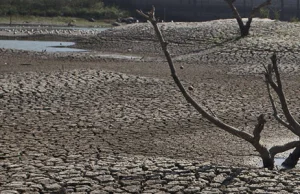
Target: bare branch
[[256, 9], [279, 149], [275, 68], [275, 113], [230, 129], [211, 112], [150, 15], [259, 127], [254, 139], [233, 8], [269, 77], [266, 70], [236, 13], [294, 125], [142, 14], [270, 70]]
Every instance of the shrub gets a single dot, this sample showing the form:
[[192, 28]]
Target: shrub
[[264, 13], [294, 19]]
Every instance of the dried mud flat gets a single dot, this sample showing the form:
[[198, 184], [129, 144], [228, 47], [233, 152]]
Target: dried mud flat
[[89, 123]]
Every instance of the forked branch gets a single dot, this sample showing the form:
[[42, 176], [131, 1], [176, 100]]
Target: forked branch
[[283, 148], [275, 112], [266, 155], [259, 127], [290, 123], [244, 28], [246, 136], [271, 72], [255, 10]]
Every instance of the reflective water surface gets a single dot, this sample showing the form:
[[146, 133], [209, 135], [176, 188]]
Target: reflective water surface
[[40, 46]]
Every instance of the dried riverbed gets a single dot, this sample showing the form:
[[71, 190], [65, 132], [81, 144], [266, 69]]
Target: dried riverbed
[[89, 123]]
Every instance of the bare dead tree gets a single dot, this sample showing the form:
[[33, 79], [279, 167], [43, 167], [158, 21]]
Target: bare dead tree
[[271, 72], [245, 28], [267, 155]]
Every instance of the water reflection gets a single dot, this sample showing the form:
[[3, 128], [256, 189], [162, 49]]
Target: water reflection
[[40, 46], [278, 161], [99, 29]]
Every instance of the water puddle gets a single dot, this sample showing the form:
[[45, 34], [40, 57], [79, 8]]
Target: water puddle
[[257, 161], [98, 29], [39, 46], [278, 161]]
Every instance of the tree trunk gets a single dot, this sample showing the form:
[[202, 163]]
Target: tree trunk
[[267, 159], [244, 31], [245, 28], [293, 158], [268, 163], [10, 19]]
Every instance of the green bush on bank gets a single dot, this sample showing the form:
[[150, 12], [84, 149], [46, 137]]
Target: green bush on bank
[[75, 8]]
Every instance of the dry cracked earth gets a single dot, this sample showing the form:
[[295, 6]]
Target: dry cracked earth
[[111, 120]]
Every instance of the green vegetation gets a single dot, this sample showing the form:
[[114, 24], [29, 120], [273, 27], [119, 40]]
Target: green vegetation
[[66, 8], [59, 21], [294, 19], [277, 15], [264, 13]]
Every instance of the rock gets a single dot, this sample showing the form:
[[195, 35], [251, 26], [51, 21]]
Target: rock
[[129, 183], [105, 178], [92, 174], [128, 20], [116, 24], [170, 177], [91, 20], [132, 188], [175, 189], [53, 187], [9, 192], [256, 186], [191, 88], [219, 178], [191, 190]]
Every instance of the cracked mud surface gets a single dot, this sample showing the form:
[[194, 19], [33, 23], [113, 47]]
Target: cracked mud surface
[[215, 42], [87, 123]]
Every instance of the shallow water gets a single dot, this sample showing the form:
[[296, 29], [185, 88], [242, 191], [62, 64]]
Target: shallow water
[[51, 28], [278, 161], [39, 46]]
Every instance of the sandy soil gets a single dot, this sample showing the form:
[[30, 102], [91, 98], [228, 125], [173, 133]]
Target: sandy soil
[[117, 103]]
